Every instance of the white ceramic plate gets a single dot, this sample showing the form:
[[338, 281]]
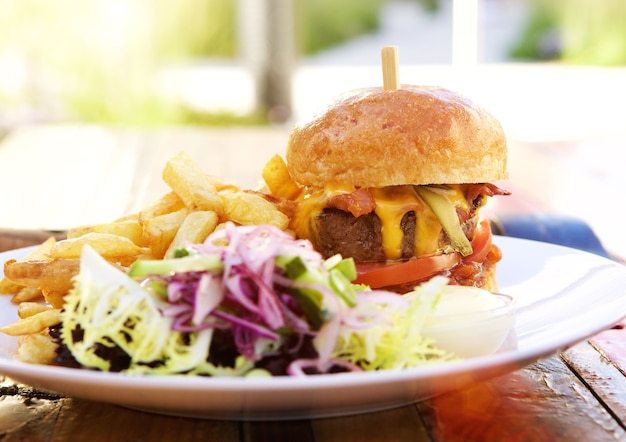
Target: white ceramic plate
[[563, 296]]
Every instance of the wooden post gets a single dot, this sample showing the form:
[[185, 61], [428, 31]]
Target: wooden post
[[266, 41], [279, 68], [252, 44]]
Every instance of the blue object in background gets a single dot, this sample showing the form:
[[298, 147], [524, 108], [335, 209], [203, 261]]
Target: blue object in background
[[556, 229]]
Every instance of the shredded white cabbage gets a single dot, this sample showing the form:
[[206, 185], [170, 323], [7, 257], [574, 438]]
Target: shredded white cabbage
[[109, 308], [394, 342]]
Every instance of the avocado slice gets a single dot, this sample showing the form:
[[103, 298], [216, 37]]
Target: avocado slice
[[189, 263], [445, 212]]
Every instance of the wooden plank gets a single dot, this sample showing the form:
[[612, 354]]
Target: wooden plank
[[271, 431], [25, 413], [611, 343], [93, 421], [14, 239], [601, 376], [400, 424], [543, 402]]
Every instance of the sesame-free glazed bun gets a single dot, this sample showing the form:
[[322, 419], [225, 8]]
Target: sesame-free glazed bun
[[414, 135]]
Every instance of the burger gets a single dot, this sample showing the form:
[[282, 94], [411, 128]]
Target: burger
[[395, 179]]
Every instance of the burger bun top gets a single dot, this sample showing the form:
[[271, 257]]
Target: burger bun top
[[413, 135]]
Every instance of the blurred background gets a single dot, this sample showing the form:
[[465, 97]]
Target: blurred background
[[219, 62], [552, 71]]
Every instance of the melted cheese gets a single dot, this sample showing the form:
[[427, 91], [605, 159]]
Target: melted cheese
[[392, 203], [427, 233], [311, 205]]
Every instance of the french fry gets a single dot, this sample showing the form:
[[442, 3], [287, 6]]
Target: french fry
[[8, 287], [159, 232], [131, 217], [27, 294], [182, 161], [48, 275], [194, 229], [33, 324], [36, 348], [168, 203], [278, 180], [54, 298], [26, 309], [195, 187], [112, 247], [250, 209], [42, 251], [130, 229]]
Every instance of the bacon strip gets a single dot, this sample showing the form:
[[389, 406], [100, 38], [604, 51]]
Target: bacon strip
[[487, 189], [358, 203]]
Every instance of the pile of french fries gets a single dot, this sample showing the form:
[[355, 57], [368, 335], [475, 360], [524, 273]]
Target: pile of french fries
[[197, 204]]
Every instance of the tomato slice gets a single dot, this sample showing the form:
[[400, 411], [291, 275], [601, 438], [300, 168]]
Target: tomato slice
[[481, 244], [378, 275]]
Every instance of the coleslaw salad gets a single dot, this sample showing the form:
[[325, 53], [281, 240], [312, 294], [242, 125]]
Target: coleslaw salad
[[248, 301]]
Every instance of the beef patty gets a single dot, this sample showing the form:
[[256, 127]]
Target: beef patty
[[360, 237]]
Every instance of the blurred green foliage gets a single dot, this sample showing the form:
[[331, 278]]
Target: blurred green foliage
[[591, 32], [321, 24], [538, 35], [95, 60]]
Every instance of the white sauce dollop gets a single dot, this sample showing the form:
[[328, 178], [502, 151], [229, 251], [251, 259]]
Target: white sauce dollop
[[469, 321], [459, 300]]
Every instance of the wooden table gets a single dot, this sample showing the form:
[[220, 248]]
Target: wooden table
[[52, 178]]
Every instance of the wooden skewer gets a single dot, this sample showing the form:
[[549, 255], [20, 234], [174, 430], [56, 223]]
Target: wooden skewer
[[391, 76]]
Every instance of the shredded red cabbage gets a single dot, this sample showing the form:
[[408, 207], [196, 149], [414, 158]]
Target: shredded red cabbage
[[250, 296]]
